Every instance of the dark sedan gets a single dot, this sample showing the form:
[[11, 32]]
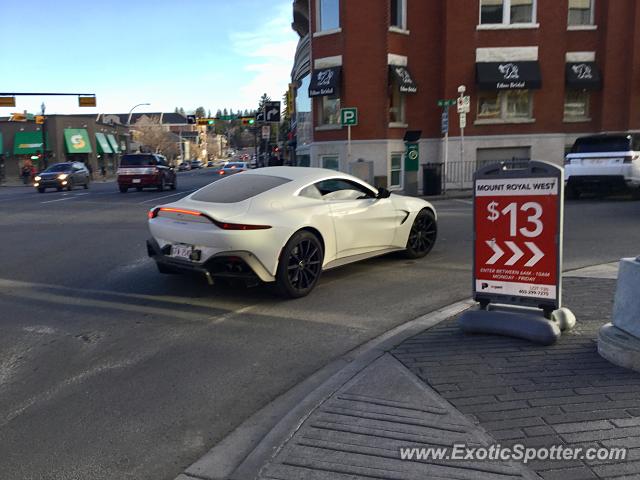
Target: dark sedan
[[63, 175]]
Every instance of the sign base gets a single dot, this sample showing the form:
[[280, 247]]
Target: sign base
[[526, 323]]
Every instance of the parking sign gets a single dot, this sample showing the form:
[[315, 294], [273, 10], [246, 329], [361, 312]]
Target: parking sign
[[349, 116], [518, 235]]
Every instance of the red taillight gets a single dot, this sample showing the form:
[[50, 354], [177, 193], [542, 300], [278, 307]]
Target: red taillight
[[221, 172], [240, 226], [180, 210], [153, 213]]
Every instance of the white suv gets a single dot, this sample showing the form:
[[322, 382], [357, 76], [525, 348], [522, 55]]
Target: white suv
[[607, 162]]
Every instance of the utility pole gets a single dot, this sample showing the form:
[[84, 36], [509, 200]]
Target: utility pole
[[44, 138]]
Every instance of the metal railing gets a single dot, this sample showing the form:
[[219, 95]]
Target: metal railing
[[459, 174]]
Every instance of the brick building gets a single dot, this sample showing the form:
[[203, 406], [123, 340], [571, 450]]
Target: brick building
[[539, 73]]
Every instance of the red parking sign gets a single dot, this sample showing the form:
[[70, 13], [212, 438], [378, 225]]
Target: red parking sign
[[518, 239]]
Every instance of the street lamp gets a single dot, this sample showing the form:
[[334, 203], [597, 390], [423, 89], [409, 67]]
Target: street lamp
[[132, 109]]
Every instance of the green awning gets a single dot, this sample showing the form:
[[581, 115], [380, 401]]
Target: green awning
[[102, 143], [27, 143], [113, 142], [77, 140]]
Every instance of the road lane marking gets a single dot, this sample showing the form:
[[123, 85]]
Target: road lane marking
[[167, 196], [58, 200], [466, 202]]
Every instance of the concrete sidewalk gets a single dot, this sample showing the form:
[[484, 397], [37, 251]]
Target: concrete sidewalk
[[437, 387]]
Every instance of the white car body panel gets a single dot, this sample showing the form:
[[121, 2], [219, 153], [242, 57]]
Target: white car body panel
[[348, 227], [604, 164]]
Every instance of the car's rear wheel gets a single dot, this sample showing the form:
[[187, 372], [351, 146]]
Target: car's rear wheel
[[300, 265], [41, 190], [123, 189], [138, 189], [423, 234], [161, 185], [174, 185]]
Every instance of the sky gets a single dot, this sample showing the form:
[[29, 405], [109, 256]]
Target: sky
[[169, 53]]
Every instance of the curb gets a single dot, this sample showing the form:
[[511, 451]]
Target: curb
[[244, 451]]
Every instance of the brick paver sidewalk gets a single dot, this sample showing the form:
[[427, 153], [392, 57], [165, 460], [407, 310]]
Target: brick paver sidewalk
[[540, 396]]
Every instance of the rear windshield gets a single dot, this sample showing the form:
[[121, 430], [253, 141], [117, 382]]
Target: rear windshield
[[602, 144], [234, 164], [137, 160], [59, 167], [238, 188]]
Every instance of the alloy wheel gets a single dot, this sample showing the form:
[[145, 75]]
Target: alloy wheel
[[304, 265], [423, 234]]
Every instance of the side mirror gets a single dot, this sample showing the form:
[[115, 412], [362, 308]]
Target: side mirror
[[383, 193]]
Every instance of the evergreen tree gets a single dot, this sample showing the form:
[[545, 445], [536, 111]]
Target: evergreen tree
[[200, 112]]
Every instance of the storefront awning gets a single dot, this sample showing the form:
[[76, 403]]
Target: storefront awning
[[27, 143], [407, 85], [77, 140], [508, 75], [102, 143], [583, 75], [113, 142], [325, 82]]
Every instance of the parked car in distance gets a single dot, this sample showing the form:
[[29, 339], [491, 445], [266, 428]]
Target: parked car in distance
[[604, 163], [230, 168], [184, 166], [63, 175], [196, 164], [145, 170], [210, 164]]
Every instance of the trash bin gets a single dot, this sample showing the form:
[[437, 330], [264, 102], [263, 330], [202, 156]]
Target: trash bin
[[432, 178]]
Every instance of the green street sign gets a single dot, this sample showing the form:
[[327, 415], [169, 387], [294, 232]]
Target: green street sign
[[227, 117], [411, 157], [447, 102], [349, 116]]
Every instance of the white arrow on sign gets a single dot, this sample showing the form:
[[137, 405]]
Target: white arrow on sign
[[272, 113], [517, 253], [497, 252], [537, 254]]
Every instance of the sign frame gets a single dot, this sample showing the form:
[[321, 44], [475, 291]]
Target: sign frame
[[269, 107], [343, 120], [534, 170]]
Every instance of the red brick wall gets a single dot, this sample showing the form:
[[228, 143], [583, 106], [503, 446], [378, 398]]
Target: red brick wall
[[441, 51]]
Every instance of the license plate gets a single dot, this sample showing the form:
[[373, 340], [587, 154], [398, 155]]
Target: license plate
[[181, 251], [597, 161], [136, 180]]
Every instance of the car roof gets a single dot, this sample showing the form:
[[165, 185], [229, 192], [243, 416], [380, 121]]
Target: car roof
[[308, 174]]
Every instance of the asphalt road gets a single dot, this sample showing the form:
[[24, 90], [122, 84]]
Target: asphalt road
[[111, 370]]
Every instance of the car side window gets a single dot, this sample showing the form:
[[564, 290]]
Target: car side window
[[341, 189], [311, 192]]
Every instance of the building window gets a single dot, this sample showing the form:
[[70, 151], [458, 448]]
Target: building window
[[580, 12], [328, 15], [396, 101], [398, 14], [576, 105], [395, 172], [507, 11], [332, 162], [506, 105], [329, 110]]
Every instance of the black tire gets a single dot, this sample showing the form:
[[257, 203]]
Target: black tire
[[300, 265], [423, 234], [41, 189], [86, 184], [123, 189], [174, 185], [161, 185], [58, 189], [635, 193], [138, 189], [70, 185], [571, 192]]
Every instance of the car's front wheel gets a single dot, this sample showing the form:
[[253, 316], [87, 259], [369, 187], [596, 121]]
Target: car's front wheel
[[300, 265], [123, 189], [422, 236]]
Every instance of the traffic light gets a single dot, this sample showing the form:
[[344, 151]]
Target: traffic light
[[248, 121], [206, 121], [40, 119], [191, 119]]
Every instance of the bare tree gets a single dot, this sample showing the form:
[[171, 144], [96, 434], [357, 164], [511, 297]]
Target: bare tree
[[149, 132]]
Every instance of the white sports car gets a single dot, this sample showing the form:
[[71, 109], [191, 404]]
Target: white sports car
[[286, 225]]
